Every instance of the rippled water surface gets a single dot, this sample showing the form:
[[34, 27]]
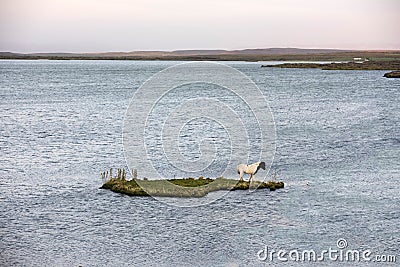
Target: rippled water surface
[[338, 151]]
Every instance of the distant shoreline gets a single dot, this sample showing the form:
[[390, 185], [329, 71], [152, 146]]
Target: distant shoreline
[[252, 55]]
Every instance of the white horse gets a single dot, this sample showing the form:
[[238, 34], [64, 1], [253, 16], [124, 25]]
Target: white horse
[[249, 169]]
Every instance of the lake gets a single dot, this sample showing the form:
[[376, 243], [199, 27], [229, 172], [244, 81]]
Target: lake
[[337, 150]]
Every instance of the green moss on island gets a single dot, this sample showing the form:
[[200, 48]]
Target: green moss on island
[[186, 187]]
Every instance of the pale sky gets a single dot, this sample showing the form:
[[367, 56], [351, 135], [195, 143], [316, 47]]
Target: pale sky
[[129, 25]]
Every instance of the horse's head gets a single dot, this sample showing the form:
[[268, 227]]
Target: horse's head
[[262, 165]]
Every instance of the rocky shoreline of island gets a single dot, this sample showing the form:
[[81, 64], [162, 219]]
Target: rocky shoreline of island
[[183, 187], [393, 65]]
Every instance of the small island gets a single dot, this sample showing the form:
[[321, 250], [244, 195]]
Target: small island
[[185, 187], [352, 65], [392, 74]]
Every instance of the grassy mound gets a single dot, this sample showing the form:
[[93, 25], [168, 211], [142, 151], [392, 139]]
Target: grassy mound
[[392, 74], [368, 65], [186, 187]]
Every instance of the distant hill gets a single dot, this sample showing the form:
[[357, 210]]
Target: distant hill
[[285, 51], [259, 51], [260, 54]]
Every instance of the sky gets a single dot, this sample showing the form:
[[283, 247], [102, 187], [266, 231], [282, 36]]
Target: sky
[[129, 25]]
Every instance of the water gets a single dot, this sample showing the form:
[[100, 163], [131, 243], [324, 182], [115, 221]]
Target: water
[[338, 150]]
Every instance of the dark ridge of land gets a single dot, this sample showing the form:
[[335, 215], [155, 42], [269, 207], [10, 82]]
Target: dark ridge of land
[[392, 74], [366, 65], [267, 54], [186, 187]]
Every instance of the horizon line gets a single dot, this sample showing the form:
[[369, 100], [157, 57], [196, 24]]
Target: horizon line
[[200, 49]]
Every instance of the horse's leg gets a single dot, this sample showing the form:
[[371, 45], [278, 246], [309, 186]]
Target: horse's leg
[[251, 177], [241, 176]]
